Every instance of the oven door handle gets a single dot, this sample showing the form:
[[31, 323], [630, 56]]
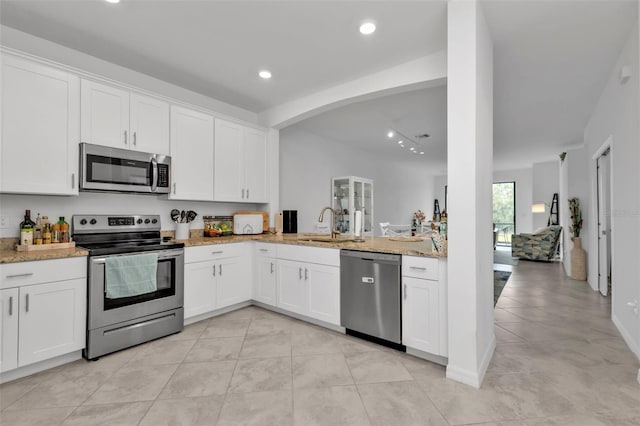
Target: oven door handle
[[100, 260], [154, 174]]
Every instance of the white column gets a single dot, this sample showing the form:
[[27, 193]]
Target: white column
[[470, 169]]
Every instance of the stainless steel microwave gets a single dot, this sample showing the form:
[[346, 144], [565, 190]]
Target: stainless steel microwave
[[103, 168]]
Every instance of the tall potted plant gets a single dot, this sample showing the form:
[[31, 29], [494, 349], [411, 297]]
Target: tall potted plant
[[578, 255]]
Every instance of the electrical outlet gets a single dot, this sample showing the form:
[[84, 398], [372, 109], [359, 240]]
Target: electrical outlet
[[3, 221]]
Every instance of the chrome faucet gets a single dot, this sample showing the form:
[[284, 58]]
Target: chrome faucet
[[334, 231]]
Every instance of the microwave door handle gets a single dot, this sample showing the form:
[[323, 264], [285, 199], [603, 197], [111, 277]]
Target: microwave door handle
[[154, 174]]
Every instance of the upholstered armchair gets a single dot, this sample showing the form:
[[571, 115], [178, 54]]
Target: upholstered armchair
[[541, 245]]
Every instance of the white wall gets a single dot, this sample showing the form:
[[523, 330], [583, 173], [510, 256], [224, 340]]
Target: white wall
[[12, 208], [546, 182], [42, 48], [616, 115], [577, 178], [308, 162], [524, 188]]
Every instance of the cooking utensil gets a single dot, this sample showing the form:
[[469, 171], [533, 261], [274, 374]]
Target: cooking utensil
[[191, 215], [183, 214], [175, 214]]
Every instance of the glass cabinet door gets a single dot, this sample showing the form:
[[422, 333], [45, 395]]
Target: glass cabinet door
[[351, 194]]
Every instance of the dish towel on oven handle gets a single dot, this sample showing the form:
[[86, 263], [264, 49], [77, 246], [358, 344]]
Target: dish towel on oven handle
[[130, 275]]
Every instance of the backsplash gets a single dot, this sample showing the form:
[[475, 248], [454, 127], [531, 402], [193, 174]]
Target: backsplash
[[12, 208]]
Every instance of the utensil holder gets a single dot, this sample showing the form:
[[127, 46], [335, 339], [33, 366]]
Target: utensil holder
[[182, 231]]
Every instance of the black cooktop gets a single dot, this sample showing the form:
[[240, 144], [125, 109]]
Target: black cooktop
[[101, 249]]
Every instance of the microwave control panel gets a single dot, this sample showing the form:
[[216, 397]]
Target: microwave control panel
[[163, 175]]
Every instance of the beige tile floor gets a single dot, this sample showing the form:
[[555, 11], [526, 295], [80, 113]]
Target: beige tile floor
[[559, 361]]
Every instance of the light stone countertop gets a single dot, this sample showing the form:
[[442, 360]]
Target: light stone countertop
[[371, 244]]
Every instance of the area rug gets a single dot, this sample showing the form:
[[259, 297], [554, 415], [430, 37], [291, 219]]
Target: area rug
[[500, 279]]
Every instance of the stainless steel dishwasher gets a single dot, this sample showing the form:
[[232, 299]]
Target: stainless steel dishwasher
[[370, 294]]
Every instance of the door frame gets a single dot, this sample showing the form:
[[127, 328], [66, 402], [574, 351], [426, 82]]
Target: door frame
[[606, 146]]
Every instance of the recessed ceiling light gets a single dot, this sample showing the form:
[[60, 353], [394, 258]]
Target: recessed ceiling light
[[390, 134], [266, 74], [402, 145], [112, 1], [421, 152], [399, 142], [367, 28], [412, 149]]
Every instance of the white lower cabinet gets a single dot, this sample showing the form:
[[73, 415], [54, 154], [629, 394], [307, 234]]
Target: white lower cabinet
[[424, 301], [42, 320], [420, 314], [292, 289], [309, 288], [265, 283], [216, 276], [199, 288]]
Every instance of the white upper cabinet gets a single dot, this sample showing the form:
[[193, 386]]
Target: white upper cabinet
[[240, 163], [149, 124], [191, 155], [115, 117], [40, 114], [229, 170]]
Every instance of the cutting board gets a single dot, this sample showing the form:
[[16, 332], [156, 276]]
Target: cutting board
[[265, 217]]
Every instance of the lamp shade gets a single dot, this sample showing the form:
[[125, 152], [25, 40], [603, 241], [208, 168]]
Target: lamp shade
[[537, 208]]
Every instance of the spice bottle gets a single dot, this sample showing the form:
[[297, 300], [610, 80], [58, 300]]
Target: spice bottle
[[55, 233], [64, 230], [26, 229], [37, 231], [46, 230]]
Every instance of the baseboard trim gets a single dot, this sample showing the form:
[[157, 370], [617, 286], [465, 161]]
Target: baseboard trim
[[473, 378], [626, 336], [438, 359], [28, 370]]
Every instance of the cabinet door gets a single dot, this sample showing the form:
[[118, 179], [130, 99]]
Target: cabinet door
[[191, 155], [420, 315], [52, 320], [40, 122], [292, 290], [104, 118], [255, 163], [149, 124], [265, 289], [9, 329], [199, 288], [324, 292], [234, 283], [229, 182]]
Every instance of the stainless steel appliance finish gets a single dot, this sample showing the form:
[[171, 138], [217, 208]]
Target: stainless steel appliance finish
[[104, 168], [370, 294], [118, 323]]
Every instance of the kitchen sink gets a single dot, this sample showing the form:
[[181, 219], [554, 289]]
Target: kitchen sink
[[324, 238]]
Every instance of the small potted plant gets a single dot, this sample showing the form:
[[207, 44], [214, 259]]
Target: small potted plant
[[578, 255]]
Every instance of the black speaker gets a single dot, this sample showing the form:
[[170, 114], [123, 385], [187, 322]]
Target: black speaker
[[290, 221]]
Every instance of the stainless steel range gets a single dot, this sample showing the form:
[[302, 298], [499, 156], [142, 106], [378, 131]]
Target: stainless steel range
[[135, 281]]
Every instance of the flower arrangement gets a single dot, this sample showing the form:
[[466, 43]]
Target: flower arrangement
[[576, 217], [419, 216]]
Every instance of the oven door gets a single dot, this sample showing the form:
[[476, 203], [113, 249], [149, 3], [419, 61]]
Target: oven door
[[121, 170], [103, 311]]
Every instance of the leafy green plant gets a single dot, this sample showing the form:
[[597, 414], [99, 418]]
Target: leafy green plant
[[576, 217]]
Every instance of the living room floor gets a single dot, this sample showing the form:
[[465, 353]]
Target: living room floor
[[559, 361]]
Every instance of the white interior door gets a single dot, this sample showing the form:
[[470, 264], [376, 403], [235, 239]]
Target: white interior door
[[604, 222]]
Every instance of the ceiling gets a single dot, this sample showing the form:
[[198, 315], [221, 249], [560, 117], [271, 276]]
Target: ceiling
[[551, 60]]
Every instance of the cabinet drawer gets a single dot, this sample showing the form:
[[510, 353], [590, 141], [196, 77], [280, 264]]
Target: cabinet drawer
[[321, 256], [420, 267], [42, 271], [213, 252], [266, 249]]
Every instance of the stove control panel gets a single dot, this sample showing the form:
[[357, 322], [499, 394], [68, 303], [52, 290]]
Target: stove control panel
[[86, 224]]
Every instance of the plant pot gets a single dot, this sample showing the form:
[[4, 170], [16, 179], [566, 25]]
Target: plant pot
[[578, 261]]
